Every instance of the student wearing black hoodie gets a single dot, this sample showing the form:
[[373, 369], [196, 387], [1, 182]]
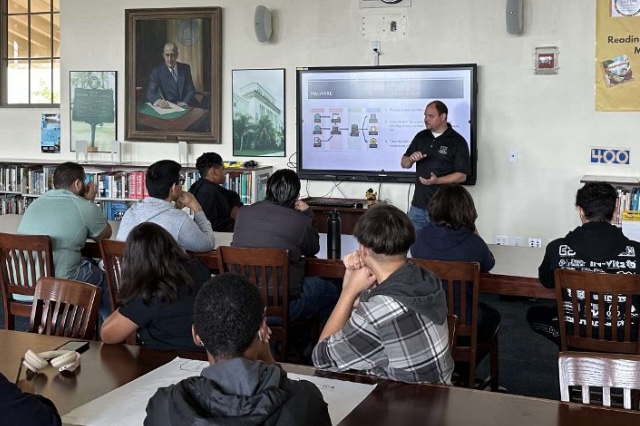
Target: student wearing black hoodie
[[22, 408], [596, 246], [452, 235], [243, 384]]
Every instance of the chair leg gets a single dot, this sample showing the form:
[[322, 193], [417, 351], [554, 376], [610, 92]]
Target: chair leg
[[472, 371], [494, 365]]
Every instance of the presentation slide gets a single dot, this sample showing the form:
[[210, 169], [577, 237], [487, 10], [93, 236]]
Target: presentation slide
[[364, 120]]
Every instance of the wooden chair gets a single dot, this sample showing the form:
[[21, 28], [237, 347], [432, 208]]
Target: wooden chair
[[23, 259], [452, 323], [63, 307], [604, 371], [263, 266], [621, 289], [456, 278], [112, 254]]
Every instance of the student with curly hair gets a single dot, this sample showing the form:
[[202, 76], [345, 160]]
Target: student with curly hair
[[242, 384]]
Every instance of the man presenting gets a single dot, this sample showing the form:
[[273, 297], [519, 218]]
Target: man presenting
[[171, 81], [441, 156]]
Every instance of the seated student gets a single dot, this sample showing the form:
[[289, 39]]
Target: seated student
[[398, 329], [452, 235], [283, 221], [21, 408], [164, 184], [242, 384], [596, 246], [218, 203], [159, 285]]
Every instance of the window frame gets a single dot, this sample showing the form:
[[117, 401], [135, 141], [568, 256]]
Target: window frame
[[4, 56]]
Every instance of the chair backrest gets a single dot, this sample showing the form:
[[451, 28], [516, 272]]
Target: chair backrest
[[459, 280], [23, 259], [63, 307], [605, 371], [268, 268], [607, 324], [112, 255], [452, 323]]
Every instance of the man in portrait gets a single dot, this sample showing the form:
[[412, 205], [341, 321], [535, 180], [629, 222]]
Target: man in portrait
[[171, 81]]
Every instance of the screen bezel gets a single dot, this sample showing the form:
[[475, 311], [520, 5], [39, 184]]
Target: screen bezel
[[408, 176]]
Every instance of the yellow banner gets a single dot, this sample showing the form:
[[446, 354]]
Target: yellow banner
[[618, 55]]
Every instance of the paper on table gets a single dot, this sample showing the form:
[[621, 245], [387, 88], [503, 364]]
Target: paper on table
[[172, 108], [126, 404]]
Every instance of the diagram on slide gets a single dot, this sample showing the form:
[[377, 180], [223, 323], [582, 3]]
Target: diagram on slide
[[351, 129]]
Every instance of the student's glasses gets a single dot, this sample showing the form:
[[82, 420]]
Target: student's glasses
[[181, 180]]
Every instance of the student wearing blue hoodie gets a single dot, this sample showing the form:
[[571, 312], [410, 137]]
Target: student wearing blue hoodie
[[452, 235]]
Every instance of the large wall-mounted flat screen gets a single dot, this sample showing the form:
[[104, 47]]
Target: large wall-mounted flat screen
[[355, 123]]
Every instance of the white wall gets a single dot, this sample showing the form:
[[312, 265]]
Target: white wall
[[550, 120]]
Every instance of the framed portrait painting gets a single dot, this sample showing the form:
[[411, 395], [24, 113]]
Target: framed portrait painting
[[173, 82], [258, 113]]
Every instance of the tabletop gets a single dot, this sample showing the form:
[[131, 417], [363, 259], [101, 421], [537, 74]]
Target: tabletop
[[515, 272], [106, 367]]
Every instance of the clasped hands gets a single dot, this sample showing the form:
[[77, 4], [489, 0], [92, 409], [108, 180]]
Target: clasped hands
[[357, 277]]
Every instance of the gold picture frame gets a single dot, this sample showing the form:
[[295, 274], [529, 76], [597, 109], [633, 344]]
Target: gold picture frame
[[173, 74]]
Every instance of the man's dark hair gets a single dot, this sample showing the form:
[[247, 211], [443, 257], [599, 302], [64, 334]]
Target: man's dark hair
[[597, 200], [161, 176], [440, 107], [67, 173], [283, 187], [207, 161], [386, 230], [453, 207], [227, 315]]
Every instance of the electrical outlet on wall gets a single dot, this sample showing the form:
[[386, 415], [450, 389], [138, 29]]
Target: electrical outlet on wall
[[517, 241], [501, 240], [535, 242]]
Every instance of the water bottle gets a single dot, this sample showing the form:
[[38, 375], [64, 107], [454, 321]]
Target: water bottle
[[333, 235]]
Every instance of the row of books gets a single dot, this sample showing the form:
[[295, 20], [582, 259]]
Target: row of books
[[14, 204], [628, 199], [125, 185], [113, 210]]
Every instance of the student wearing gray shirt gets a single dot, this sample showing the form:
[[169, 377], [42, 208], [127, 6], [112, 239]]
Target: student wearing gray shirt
[[164, 207]]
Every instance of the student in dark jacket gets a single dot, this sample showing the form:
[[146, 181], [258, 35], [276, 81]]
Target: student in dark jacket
[[159, 286], [452, 235], [25, 409], [242, 385], [219, 204], [283, 221], [595, 246]]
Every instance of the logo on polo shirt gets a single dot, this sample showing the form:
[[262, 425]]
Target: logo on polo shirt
[[442, 150]]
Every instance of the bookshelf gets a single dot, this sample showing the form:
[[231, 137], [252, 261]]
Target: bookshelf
[[118, 184]]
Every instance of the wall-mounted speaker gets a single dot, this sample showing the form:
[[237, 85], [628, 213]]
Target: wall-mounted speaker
[[262, 24], [515, 16]]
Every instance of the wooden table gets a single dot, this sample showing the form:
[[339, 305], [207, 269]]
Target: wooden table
[[515, 272], [106, 367]]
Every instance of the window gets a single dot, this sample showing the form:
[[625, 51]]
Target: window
[[30, 52]]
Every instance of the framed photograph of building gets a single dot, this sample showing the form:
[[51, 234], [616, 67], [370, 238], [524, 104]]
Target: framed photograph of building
[[173, 81], [258, 113], [93, 109]]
